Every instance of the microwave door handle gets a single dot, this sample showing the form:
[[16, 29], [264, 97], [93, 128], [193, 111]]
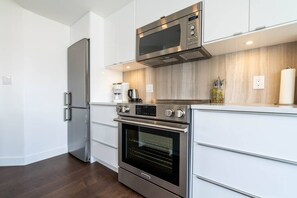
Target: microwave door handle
[[158, 126]]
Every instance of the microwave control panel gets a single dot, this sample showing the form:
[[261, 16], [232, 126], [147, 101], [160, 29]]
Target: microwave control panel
[[193, 30]]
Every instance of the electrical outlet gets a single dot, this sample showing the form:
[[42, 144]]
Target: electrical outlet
[[259, 82], [149, 88], [6, 80]]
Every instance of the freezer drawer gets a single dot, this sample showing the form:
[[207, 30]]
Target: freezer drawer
[[79, 133]]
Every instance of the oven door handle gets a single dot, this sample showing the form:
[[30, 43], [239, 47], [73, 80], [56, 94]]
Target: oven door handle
[[157, 126]]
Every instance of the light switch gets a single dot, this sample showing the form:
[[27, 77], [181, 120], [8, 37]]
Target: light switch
[[6, 80], [149, 88]]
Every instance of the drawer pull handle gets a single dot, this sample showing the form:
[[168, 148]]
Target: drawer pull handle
[[260, 28], [237, 33], [248, 153], [226, 187], [146, 175]]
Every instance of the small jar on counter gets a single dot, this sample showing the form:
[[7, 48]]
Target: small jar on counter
[[217, 92]]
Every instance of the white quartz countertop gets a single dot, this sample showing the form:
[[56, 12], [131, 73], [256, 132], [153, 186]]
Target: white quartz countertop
[[104, 103], [260, 108]]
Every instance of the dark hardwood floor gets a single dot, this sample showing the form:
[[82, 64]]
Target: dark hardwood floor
[[62, 176]]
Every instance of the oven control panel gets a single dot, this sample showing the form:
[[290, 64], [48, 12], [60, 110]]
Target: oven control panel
[[146, 110], [175, 113]]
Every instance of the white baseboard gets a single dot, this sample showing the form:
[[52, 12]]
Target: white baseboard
[[29, 159], [92, 159], [115, 169], [12, 161]]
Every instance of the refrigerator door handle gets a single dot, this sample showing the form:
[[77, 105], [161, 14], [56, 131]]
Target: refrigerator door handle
[[67, 114], [86, 118], [67, 98]]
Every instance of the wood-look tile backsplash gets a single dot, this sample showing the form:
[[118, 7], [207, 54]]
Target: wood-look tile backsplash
[[194, 80]]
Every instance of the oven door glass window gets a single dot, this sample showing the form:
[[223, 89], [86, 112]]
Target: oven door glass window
[[160, 40], [153, 151]]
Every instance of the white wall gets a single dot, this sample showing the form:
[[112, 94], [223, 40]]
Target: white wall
[[11, 96], [80, 29], [33, 51], [45, 78]]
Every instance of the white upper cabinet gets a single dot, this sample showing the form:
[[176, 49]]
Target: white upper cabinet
[[225, 18], [267, 13], [120, 36], [110, 55], [126, 33], [152, 10]]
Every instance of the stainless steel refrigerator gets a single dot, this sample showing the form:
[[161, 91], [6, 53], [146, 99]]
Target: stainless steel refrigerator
[[76, 100]]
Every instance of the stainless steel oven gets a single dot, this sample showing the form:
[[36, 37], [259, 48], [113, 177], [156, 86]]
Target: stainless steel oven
[[172, 39], [153, 148]]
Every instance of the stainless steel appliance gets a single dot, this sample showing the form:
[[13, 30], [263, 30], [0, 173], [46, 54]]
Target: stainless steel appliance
[[154, 142], [76, 100], [173, 39], [133, 95]]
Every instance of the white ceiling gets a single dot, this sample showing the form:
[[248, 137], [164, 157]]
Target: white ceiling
[[69, 11]]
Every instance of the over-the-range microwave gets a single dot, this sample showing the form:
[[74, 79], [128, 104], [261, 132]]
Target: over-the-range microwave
[[173, 39]]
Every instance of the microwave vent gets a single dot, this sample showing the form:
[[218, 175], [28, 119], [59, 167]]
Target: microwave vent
[[170, 60], [152, 62], [192, 55]]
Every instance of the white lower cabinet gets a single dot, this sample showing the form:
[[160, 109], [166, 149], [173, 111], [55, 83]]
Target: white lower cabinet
[[104, 135], [106, 155], [244, 154], [253, 175], [254, 133]]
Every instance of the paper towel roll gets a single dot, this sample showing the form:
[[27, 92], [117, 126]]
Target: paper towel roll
[[287, 86]]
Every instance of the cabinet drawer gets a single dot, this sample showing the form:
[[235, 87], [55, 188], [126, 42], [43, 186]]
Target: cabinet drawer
[[263, 134], [104, 114], [105, 134], [256, 176], [105, 154], [205, 189]]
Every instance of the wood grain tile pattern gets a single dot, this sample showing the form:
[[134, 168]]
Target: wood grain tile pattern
[[62, 176], [194, 80]]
